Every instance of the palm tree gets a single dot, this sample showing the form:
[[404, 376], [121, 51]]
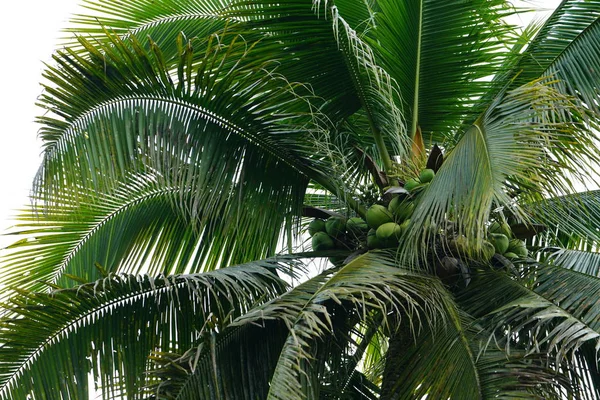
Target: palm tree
[[190, 144]]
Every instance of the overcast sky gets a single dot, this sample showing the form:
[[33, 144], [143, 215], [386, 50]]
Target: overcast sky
[[31, 30]]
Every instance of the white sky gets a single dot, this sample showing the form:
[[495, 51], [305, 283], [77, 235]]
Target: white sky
[[31, 29]]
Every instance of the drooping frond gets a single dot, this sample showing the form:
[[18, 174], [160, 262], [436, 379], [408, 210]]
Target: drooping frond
[[367, 283], [572, 220], [312, 312], [448, 363], [207, 135], [50, 342], [509, 143], [536, 314], [290, 34], [143, 226]]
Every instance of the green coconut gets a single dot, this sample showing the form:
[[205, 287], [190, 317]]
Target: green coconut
[[502, 228], [521, 251], [500, 242], [426, 175], [388, 231], [513, 244], [411, 184], [518, 247], [316, 225], [373, 241], [357, 226], [335, 226], [505, 229], [395, 203], [510, 255], [494, 227], [322, 241], [378, 215], [401, 209]]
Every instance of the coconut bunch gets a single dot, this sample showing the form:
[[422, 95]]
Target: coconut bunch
[[501, 237], [387, 221], [384, 225], [424, 178]]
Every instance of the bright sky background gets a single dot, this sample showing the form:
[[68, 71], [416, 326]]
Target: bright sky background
[[31, 32]]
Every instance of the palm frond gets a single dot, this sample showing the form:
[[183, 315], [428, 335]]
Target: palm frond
[[50, 341], [311, 313], [439, 55], [507, 144], [138, 228], [535, 313], [572, 220], [587, 262], [202, 135], [367, 283], [565, 32], [448, 363]]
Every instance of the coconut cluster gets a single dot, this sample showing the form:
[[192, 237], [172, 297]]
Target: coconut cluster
[[386, 223], [501, 236]]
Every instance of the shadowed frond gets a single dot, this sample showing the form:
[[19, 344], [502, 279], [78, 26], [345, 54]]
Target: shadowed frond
[[230, 155], [312, 312], [537, 314], [448, 363]]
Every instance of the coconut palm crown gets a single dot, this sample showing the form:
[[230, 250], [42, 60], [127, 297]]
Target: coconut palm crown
[[247, 199]]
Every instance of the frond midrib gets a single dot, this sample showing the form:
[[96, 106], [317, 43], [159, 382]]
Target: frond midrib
[[221, 121], [415, 111], [99, 224], [89, 315]]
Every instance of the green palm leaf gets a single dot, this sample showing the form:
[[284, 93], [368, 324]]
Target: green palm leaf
[[311, 312], [572, 219], [47, 338], [447, 363], [438, 56], [587, 262], [534, 314], [568, 29]]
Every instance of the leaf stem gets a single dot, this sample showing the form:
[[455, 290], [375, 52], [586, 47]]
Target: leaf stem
[[415, 110]]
